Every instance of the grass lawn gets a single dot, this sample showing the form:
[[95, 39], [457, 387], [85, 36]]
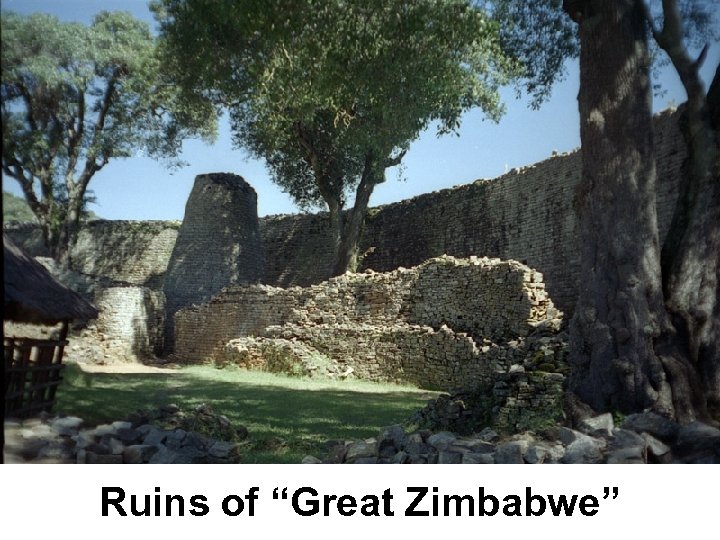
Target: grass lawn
[[303, 413]]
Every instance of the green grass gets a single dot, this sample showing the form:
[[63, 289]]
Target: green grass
[[304, 413]]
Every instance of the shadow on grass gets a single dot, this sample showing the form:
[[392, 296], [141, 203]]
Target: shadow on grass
[[302, 418]]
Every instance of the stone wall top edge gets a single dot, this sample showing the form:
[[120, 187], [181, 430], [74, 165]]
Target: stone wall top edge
[[166, 222], [173, 223], [370, 275], [445, 192], [513, 173], [228, 179]]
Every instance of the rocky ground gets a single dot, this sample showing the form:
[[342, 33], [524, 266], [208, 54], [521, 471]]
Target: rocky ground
[[165, 435], [170, 435], [641, 438]]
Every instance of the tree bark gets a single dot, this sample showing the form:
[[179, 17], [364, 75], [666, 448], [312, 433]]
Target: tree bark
[[347, 252], [335, 212], [620, 310], [70, 227], [644, 334], [691, 251]]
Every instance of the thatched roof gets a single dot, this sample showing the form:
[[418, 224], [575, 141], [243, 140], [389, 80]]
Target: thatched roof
[[32, 294]]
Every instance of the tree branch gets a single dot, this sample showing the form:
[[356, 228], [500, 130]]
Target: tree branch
[[29, 113], [13, 168], [395, 161], [310, 153], [76, 133], [672, 32], [313, 159], [670, 39], [701, 57], [713, 99], [654, 30], [91, 164]]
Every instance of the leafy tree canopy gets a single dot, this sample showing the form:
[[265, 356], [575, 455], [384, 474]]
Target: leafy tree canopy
[[349, 79], [331, 93], [75, 97], [540, 37]]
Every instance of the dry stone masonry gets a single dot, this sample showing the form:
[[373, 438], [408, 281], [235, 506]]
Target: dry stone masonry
[[133, 317], [476, 323], [482, 324], [527, 215], [218, 244], [434, 306], [132, 252], [130, 324]]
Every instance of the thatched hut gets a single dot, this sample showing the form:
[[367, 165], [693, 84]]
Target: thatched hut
[[33, 366]]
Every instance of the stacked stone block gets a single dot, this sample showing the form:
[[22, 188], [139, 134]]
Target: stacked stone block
[[131, 320], [202, 330], [527, 214], [443, 324], [131, 252], [218, 244]]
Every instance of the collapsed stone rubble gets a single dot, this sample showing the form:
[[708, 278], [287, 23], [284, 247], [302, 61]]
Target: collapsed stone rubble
[[170, 435], [160, 436], [446, 315], [478, 323], [640, 438]]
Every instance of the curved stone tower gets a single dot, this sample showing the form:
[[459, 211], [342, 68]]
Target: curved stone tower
[[218, 244]]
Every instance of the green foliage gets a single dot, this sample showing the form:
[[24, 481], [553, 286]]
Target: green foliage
[[540, 37], [75, 97], [320, 88], [15, 208]]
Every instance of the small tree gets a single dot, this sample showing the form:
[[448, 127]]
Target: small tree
[[332, 93], [73, 98]]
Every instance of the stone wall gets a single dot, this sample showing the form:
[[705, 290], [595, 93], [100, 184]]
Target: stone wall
[[131, 321], [527, 215], [27, 236], [441, 324], [132, 252], [219, 244]]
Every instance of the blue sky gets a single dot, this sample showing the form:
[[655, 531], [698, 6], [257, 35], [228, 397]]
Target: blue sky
[[140, 188]]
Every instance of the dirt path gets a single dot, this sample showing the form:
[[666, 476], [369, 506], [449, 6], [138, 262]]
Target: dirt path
[[123, 367]]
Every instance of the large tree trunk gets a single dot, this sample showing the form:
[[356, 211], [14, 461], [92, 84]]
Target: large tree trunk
[[620, 312], [70, 227], [631, 347], [347, 252], [691, 253], [335, 214]]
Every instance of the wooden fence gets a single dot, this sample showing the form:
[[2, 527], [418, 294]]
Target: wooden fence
[[33, 371]]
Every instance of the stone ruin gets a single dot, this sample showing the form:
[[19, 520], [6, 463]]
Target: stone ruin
[[129, 327], [476, 323], [526, 215], [483, 328], [217, 245]]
